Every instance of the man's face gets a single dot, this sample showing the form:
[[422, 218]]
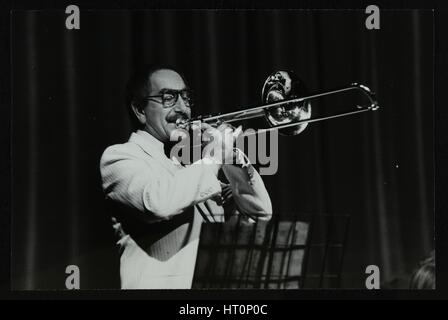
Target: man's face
[[160, 120]]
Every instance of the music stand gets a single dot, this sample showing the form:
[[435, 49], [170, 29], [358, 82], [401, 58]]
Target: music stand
[[275, 254]]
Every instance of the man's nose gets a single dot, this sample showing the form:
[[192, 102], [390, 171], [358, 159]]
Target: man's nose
[[181, 106]]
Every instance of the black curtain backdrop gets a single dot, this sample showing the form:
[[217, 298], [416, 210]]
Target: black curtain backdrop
[[67, 107]]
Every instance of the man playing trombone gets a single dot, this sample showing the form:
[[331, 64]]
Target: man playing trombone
[[157, 204]]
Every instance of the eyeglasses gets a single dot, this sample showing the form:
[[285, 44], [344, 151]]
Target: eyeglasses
[[170, 97]]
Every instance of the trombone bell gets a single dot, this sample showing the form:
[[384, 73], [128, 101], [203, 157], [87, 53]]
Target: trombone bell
[[284, 85]]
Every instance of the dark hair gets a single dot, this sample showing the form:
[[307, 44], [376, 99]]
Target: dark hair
[[139, 86], [425, 276]]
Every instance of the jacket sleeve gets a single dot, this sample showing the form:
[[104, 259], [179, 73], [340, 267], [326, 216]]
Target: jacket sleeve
[[136, 183], [249, 191]]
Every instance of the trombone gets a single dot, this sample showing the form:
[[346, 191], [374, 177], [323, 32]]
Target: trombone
[[287, 107]]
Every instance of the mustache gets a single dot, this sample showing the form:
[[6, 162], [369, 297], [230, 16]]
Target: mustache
[[177, 117]]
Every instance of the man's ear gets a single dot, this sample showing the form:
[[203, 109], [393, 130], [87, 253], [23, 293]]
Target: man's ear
[[139, 114]]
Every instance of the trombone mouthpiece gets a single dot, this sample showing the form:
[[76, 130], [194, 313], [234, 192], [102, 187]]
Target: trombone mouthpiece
[[181, 123]]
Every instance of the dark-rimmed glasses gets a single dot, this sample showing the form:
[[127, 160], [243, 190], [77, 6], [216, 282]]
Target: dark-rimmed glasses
[[170, 97]]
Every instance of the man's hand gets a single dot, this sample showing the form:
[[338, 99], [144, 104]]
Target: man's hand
[[220, 143]]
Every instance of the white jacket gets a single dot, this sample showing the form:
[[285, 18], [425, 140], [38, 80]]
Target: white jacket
[[159, 236]]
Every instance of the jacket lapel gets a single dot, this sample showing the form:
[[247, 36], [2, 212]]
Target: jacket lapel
[[152, 147]]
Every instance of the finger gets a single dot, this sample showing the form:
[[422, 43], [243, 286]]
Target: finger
[[225, 186], [205, 126], [237, 131], [226, 190], [210, 133], [195, 125], [225, 126], [227, 195]]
